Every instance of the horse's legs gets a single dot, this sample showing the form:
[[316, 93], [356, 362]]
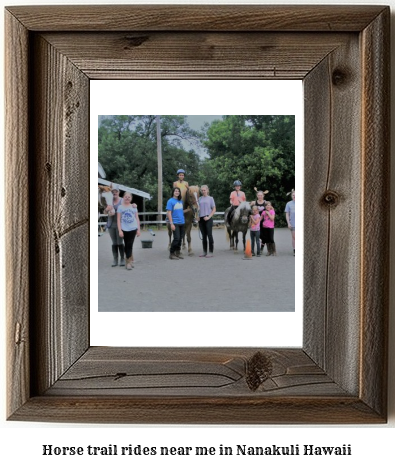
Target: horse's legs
[[231, 238], [236, 235], [189, 239]]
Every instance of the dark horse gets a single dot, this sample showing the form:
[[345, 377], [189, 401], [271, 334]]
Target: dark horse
[[238, 223], [191, 215]]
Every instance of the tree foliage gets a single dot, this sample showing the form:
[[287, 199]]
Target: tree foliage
[[258, 150], [128, 152]]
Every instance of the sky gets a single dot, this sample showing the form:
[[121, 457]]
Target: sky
[[196, 122]]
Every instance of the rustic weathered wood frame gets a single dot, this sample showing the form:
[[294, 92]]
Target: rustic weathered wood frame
[[340, 374]]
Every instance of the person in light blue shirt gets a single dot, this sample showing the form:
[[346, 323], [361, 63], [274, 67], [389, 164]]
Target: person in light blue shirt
[[206, 211], [290, 216], [128, 227], [175, 217]]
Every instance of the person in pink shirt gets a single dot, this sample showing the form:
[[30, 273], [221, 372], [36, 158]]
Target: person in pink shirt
[[236, 197], [268, 216], [255, 231]]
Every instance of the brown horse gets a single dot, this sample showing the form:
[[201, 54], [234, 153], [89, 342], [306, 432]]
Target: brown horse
[[191, 215]]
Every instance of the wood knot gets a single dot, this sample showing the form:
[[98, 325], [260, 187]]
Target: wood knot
[[259, 369], [18, 333], [340, 77], [63, 192], [135, 41], [330, 198], [120, 375]]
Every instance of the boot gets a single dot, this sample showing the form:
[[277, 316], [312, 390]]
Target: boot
[[269, 249], [129, 263], [122, 255], [179, 255], [274, 252], [115, 255], [173, 256]]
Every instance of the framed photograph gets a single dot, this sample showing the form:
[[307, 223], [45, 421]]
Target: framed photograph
[[339, 375], [191, 121]]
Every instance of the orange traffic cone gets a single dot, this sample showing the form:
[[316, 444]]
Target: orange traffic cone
[[247, 253]]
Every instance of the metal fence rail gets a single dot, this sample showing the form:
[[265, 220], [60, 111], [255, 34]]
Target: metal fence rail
[[153, 219]]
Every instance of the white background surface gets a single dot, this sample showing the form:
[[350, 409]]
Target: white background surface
[[21, 443], [110, 97]]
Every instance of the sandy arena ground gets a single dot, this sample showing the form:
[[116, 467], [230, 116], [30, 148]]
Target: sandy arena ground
[[225, 283]]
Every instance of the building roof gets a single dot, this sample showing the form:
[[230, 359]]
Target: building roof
[[102, 173], [137, 192]]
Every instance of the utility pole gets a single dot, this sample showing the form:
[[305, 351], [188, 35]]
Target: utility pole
[[159, 149]]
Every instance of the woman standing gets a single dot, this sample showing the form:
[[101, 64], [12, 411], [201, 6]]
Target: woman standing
[[290, 216], [206, 211], [175, 216], [112, 228], [268, 216], [128, 227], [261, 204]]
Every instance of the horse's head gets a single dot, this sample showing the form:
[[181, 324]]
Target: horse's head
[[192, 200], [105, 196], [242, 213]]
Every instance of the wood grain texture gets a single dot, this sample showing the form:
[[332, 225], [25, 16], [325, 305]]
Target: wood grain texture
[[196, 18], [333, 224], [17, 221], [60, 152], [188, 372], [196, 55], [376, 187], [198, 410], [339, 376]]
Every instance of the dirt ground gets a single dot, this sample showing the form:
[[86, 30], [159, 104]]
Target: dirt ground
[[225, 283]]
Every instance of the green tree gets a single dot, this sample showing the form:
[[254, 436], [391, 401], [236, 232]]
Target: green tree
[[128, 151], [258, 150]]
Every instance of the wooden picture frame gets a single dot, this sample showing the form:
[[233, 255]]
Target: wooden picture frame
[[340, 374]]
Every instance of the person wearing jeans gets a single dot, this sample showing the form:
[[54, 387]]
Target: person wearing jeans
[[255, 231], [175, 216], [206, 211], [290, 216]]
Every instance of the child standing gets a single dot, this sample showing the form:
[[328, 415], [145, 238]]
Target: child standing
[[255, 230], [268, 216]]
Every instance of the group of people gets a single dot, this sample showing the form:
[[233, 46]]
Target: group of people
[[123, 225], [262, 219], [175, 215], [123, 222]]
